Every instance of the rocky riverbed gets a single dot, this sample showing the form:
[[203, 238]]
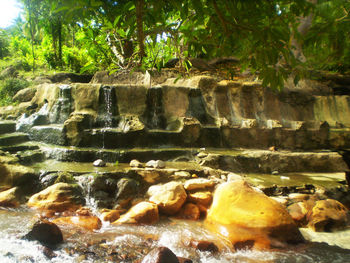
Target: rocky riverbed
[[182, 173]]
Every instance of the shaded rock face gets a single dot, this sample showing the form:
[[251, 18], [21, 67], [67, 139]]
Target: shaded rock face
[[228, 114], [249, 218], [47, 233], [58, 197], [328, 215]]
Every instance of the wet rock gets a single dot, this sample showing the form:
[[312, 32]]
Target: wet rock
[[298, 197], [160, 255], [184, 260], [159, 164], [47, 233], [250, 216], [135, 163], [202, 245], [110, 215], [203, 198], [328, 215], [127, 188], [48, 252], [87, 222], [10, 197], [17, 175], [198, 183], [169, 197], [142, 213], [58, 197], [149, 176], [189, 211], [99, 163], [298, 212]]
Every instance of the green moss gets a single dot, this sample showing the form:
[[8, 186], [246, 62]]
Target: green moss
[[65, 177]]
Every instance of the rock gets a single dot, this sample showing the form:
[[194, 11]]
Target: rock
[[25, 95], [48, 252], [149, 176], [328, 215], [47, 233], [202, 245], [87, 222], [110, 215], [127, 188], [99, 163], [58, 197], [198, 183], [298, 197], [10, 197], [189, 211], [234, 177], [298, 212], [282, 200], [9, 72], [159, 164], [135, 163], [17, 175], [160, 255], [203, 198], [184, 260], [142, 213], [181, 175], [169, 197], [249, 218]]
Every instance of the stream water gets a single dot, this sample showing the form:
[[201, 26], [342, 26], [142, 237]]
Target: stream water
[[126, 243]]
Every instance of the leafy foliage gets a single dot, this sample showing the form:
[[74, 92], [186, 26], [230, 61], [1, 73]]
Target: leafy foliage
[[88, 35]]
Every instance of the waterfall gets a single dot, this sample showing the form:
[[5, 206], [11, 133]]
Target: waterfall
[[25, 123], [63, 105], [154, 114], [107, 111]]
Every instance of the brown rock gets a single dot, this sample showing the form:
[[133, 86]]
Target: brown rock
[[58, 197], [169, 197], [10, 197], [25, 95], [202, 198], [184, 260], [87, 222], [110, 216], [242, 214], [298, 212], [142, 213], [190, 211], [47, 233], [202, 245], [328, 215], [160, 255]]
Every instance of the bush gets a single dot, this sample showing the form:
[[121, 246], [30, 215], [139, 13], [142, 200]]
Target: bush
[[11, 86]]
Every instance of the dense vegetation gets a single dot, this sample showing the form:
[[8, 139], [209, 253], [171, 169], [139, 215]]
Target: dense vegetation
[[273, 38]]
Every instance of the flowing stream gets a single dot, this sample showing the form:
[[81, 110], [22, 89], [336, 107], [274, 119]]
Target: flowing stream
[[126, 243]]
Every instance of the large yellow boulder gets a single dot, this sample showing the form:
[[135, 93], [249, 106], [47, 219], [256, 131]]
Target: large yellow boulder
[[142, 213], [58, 197], [249, 218]]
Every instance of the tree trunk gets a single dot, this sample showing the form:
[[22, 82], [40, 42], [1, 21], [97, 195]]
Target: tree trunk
[[139, 24], [303, 28], [59, 32]]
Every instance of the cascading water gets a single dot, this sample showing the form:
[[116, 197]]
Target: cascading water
[[63, 106], [154, 114], [24, 123], [107, 111]]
